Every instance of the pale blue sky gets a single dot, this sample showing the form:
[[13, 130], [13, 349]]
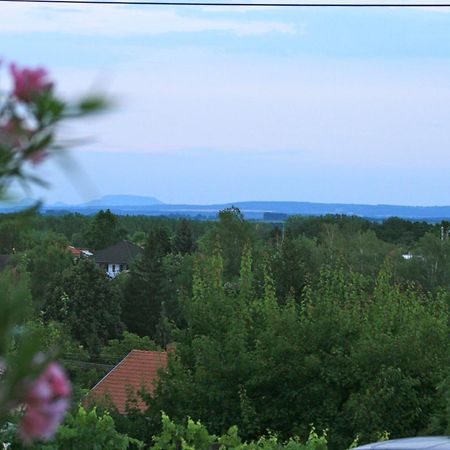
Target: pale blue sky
[[219, 105]]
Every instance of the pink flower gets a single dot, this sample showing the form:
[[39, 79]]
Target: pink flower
[[30, 83], [45, 404], [38, 157]]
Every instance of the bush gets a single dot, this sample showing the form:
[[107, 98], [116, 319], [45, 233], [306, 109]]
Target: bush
[[195, 436]]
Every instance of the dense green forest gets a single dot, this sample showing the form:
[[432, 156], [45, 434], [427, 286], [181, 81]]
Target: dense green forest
[[332, 323]]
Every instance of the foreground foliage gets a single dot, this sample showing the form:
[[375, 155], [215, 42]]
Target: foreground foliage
[[195, 436]]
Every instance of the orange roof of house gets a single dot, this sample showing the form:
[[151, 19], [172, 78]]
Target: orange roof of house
[[138, 369], [75, 251]]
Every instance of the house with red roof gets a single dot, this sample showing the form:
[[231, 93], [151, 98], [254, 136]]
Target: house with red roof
[[137, 371], [78, 253]]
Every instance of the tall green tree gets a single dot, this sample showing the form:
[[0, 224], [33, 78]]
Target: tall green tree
[[145, 290], [45, 263], [231, 233], [293, 262], [103, 231], [88, 303], [183, 241]]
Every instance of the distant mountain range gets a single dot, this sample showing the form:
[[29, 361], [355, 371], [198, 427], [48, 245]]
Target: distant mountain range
[[122, 200], [258, 210]]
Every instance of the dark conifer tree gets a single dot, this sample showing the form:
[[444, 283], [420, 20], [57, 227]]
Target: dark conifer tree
[[103, 231], [184, 241], [145, 290]]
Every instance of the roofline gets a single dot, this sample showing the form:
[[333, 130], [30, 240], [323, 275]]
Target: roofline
[[110, 261], [110, 372], [120, 363], [129, 257]]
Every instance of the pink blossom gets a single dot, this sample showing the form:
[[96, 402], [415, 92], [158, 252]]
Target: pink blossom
[[38, 157], [45, 404], [29, 83]]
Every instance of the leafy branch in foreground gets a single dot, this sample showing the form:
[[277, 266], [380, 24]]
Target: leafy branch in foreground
[[32, 386]]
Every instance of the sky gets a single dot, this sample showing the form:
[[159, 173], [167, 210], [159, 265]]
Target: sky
[[228, 104]]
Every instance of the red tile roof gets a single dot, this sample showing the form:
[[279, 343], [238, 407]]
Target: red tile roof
[[75, 251], [138, 369]]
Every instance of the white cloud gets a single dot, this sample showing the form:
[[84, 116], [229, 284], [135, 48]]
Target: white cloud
[[125, 21]]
